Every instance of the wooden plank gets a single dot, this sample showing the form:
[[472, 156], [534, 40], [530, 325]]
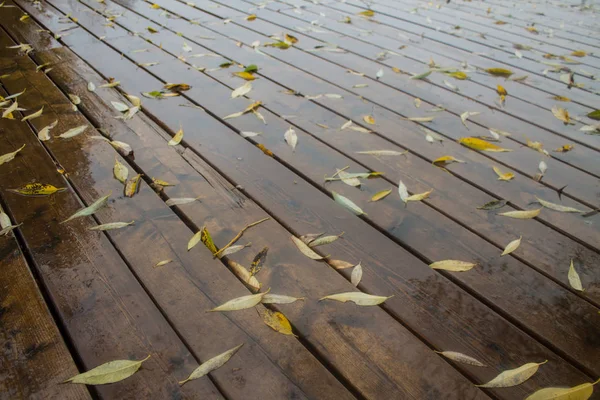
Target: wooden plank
[[392, 343], [35, 358], [351, 105], [105, 310], [104, 58]]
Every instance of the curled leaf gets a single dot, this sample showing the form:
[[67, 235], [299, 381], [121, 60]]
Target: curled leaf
[[503, 176], [242, 273], [259, 261], [304, 249], [445, 160], [561, 114], [34, 115], [44, 133], [10, 156], [356, 275], [177, 138], [291, 138]]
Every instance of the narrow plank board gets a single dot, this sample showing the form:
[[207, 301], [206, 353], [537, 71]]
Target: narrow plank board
[[35, 358]]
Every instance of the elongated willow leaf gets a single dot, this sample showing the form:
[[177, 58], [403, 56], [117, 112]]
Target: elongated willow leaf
[[279, 299], [92, 209], [111, 226], [304, 249], [574, 279], [579, 392], [513, 377], [349, 204], [557, 207], [358, 298], [113, 371], [10, 156], [461, 358], [453, 265], [212, 364], [528, 214], [241, 303], [512, 246]]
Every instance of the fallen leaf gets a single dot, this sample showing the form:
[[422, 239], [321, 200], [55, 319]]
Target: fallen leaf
[[513, 377], [594, 115], [445, 160], [340, 264], [356, 275], [37, 189], [181, 200], [453, 265], [579, 392], [111, 226], [241, 303], [73, 132], [110, 372], [277, 321], [403, 192], [10, 156], [419, 196], [349, 204], [381, 195], [561, 98], [177, 138], [466, 115], [258, 261], [91, 87], [417, 102], [503, 176], [457, 75], [481, 145], [250, 17], [291, 138], [8, 111], [279, 299], [579, 53], [36, 114], [212, 364], [422, 75], [512, 246], [557, 207], [92, 209], [369, 119], [383, 152], [323, 240], [233, 249], [493, 205], [242, 90], [574, 279], [561, 114], [367, 13], [132, 187], [501, 90], [499, 72], [527, 214], [461, 358], [358, 298], [304, 249], [244, 275], [565, 148], [162, 263]]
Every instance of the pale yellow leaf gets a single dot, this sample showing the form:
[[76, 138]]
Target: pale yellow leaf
[[513, 377], [579, 392], [36, 114], [358, 298], [212, 364], [177, 138], [453, 265], [574, 279], [110, 372], [304, 249], [241, 303], [512, 246], [461, 358], [527, 214], [557, 207], [503, 176]]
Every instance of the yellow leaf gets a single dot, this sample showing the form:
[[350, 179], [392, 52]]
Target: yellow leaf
[[151, 30], [37, 189], [241, 303], [245, 75], [155, 6], [110, 372], [503, 176], [177, 138], [358, 298], [561, 114], [251, 17], [499, 72], [207, 240], [241, 272], [501, 90], [565, 148], [340, 264], [574, 279], [500, 22], [290, 39], [212, 364], [381, 195], [453, 265], [579, 392], [512, 246], [304, 249], [133, 186], [579, 53], [481, 145], [561, 98], [513, 377], [177, 87], [458, 75], [367, 13], [4, 158], [369, 119], [532, 29], [277, 321], [528, 214], [419, 196], [34, 115], [445, 160]]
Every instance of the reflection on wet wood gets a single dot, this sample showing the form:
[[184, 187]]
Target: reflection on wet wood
[[505, 312]]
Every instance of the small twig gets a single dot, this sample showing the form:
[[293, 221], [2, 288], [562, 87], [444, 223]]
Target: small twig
[[239, 235]]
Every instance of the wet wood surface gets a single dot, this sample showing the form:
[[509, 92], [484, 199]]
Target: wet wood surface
[[507, 311]]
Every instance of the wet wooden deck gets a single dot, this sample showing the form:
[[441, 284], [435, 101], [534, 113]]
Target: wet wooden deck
[[72, 299]]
